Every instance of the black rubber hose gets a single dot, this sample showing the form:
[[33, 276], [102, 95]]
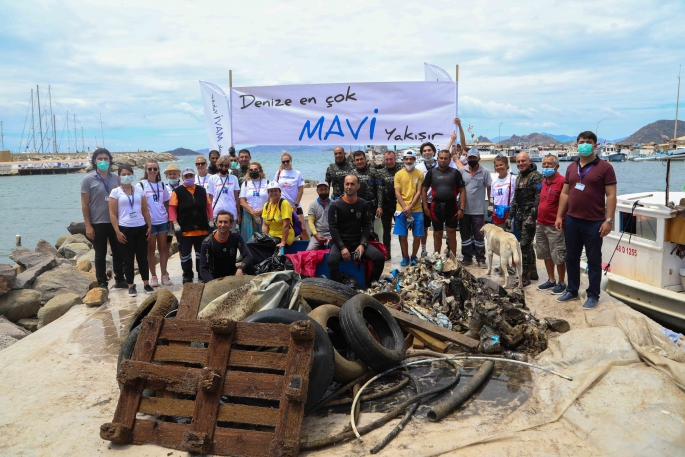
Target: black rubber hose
[[390, 390], [380, 422], [448, 405], [398, 428]]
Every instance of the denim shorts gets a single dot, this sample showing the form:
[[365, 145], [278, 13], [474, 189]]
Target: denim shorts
[[159, 228]]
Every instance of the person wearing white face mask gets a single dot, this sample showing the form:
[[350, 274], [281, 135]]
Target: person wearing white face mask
[[173, 176], [409, 212], [130, 217], [428, 152], [589, 195]]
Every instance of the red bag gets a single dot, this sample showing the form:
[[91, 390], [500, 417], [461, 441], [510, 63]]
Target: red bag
[[305, 262]]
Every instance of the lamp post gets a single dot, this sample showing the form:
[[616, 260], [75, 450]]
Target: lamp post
[[597, 129]]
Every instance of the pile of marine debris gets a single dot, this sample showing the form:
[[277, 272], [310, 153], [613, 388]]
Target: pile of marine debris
[[442, 291]]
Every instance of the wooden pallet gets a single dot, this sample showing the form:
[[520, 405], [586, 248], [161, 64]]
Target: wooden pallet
[[236, 398]]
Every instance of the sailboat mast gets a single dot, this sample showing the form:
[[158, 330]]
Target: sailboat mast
[[83, 142], [102, 131], [675, 129], [75, 139], [52, 118], [33, 122], [2, 136], [40, 120]]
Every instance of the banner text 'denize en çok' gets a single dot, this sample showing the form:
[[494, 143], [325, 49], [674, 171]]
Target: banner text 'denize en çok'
[[356, 113]]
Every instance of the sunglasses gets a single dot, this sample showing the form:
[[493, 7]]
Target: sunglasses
[[285, 161], [152, 169], [201, 164]]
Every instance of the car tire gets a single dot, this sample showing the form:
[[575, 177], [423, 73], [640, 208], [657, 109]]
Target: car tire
[[323, 357], [345, 370], [362, 311], [322, 291]]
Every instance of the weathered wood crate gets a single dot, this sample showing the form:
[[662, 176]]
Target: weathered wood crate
[[221, 387]]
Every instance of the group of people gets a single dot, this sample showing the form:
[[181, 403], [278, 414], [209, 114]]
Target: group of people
[[214, 208]]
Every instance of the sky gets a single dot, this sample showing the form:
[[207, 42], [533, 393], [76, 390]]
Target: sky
[[558, 67]]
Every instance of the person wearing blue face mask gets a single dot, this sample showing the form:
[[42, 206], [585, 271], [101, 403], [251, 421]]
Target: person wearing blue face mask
[[589, 196], [550, 245], [95, 189]]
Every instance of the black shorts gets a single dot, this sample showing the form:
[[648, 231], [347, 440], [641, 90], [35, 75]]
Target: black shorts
[[426, 223], [298, 211], [444, 213]]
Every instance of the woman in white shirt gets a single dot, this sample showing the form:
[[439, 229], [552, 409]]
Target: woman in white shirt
[[502, 191], [157, 197], [131, 221], [292, 187], [224, 189], [253, 196]]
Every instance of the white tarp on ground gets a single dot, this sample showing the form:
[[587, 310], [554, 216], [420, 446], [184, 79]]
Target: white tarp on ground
[[354, 113]]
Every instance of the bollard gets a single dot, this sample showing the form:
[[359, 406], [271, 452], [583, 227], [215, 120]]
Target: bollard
[[17, 239]]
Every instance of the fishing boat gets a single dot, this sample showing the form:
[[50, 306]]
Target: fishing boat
[[535, 155], [676, 154], [610, 153], [646, 252]]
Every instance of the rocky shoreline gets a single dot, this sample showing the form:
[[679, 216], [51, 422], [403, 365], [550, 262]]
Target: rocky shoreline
[[134, 159], [46, 282]]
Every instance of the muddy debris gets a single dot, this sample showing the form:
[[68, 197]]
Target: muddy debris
[[440, 290]]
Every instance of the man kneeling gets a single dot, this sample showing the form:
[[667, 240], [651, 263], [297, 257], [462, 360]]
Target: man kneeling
[[218, 253], [349, 223]]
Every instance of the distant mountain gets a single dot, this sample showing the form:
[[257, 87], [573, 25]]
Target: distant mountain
[[560, 138], [529, 140], [203, 151], [183, 152], [483, 139], [656, 132]]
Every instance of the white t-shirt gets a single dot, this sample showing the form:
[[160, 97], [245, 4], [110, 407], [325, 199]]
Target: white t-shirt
[[204, 182], [290, 181], [255, 193], [421, 166], [156, 191], [503, 190], [129, 215], [223, 189]]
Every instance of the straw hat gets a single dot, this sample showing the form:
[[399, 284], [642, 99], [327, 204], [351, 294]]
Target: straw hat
[[171, 167]]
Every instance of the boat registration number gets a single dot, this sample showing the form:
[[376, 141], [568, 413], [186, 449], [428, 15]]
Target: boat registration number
[[625, 250]]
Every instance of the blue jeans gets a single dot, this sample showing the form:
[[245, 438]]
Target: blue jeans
[[579, 233]]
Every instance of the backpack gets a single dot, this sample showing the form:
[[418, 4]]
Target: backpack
[[295, 221]]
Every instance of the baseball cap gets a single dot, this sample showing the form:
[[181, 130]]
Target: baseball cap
[[324, 183], [273, 185], [188, 171], [473, 153], [171, 167], [409, 153]]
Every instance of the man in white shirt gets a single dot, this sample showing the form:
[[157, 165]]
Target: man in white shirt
[[223, 189]]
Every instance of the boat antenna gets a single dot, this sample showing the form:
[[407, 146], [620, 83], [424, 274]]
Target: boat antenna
[[675, 141]]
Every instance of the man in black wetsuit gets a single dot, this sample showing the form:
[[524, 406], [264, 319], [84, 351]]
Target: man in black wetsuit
[[218, 253], [445, 184], [336, 172], [350, 225]]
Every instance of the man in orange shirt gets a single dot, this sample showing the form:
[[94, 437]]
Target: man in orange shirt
[[192, 209]]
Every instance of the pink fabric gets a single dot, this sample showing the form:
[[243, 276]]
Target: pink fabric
[[368, 265], [305, 262]]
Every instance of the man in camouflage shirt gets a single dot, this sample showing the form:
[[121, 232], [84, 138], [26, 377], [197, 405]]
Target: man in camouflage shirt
[[244, 158], [525, 208], [370, 188], [386, 176], [336, 172]]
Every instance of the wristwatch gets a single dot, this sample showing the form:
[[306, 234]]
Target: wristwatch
[[609, 220], [460, 209]]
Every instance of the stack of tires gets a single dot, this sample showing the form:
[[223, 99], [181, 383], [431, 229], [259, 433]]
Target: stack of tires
[[354, 333]]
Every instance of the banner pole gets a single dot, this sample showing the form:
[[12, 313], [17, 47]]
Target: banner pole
[[230, 101], [456, 76], [456, 97]]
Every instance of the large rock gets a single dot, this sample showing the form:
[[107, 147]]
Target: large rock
[[26, 278], [63, 279], [90, 256], [10, 329], [44, 247], [84, 265], [72, 250], [6, 341], [8, 275], [77, 227], [78, 238], [57, 307], [29, 323], [18, 304], [61, 240], [96, 297]]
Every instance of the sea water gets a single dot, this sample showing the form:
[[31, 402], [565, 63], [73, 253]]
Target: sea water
[[38, 207]]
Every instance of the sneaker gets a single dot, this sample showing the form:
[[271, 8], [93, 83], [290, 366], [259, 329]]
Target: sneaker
[[132, 292], [166, 281], [185, 280], [548, 285], [120, 284], [154, 282], [482, 264], [559, 289], [103, 285], [424, 252], [568, 296], [467, 262], [148, 288], [414, 261], [590, 303]]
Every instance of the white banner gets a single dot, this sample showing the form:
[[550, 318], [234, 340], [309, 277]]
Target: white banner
[[343, 114], [217, 117], [435, 73]]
